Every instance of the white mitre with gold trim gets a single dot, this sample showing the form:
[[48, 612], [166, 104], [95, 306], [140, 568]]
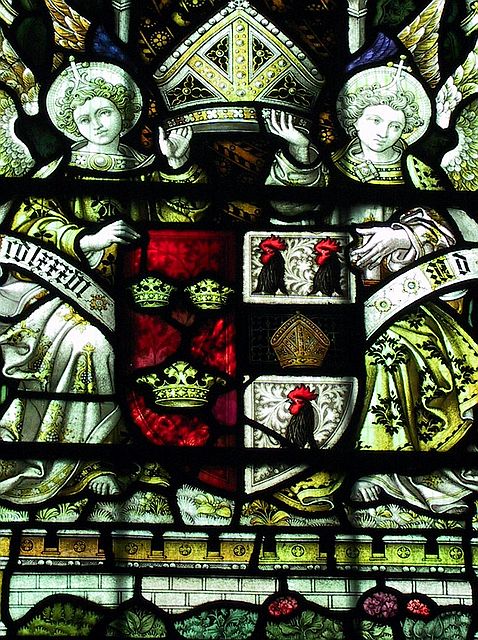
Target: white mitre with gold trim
[[233, 66]]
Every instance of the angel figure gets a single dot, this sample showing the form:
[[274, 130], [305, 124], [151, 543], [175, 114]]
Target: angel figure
[[95, 104], [382, 109], [58, 363], [422, 370]]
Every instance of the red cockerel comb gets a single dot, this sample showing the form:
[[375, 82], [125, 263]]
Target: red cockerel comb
[[273, 242], [302, 392], [327, 243]]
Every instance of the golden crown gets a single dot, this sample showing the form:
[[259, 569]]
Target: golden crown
[[208, 294], [182, 386], [235, 62], [299, 342], [151, 292]]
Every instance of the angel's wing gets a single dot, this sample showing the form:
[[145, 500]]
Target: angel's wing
[[70, 28], [461, 163], [460, 85], [420, 37], [15, 157], [15, 74]]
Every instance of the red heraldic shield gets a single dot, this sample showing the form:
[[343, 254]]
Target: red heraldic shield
[[179, 318]]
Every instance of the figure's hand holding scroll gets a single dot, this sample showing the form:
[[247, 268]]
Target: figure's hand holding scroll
[[118, 232], [377, 244], [175, 145]]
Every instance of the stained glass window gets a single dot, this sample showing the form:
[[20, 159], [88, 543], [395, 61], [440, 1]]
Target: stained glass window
[[238, 319]]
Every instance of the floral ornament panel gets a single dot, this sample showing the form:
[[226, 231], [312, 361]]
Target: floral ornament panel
[[380, 612], [297, 268]]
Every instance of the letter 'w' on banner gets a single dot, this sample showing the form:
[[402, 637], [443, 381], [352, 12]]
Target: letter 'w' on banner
[[50, 268]]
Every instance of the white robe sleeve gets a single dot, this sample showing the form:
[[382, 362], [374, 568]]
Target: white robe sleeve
[[427, 232], [285, 173]]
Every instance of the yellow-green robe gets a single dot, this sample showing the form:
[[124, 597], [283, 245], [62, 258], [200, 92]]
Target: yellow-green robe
[[421, 383], [50, 348]]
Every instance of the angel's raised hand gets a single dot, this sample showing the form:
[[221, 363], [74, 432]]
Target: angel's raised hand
[[175, 145], [282, 124]]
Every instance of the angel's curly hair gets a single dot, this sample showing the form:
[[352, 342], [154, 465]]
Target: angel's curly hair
[[350, 106], [123, 98]]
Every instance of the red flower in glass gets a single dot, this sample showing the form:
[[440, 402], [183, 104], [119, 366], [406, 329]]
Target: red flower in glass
[[283, 606], [382, 605], [418, 607]]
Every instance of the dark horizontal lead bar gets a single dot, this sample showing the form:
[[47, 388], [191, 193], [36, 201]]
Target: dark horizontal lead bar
[[405, 463], [223, 190]]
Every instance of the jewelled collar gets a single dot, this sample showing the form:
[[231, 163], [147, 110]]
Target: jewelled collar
[[125, 160]]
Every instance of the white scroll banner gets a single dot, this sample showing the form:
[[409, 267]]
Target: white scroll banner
[[451, 269], [54, 271]]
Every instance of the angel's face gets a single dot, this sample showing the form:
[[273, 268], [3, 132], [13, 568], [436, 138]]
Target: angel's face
[[99, 121], [380, 127]]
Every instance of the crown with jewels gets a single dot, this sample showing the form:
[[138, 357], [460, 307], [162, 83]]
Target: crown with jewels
[[208, 294], [182, 385], [231, 67], [151, 292], [299, 342]]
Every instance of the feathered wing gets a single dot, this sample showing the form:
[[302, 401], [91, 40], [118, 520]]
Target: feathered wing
[[461, 163], [420, 37], [70, 27], [460, 85], [15, 157], [383, 48], [15, 74]]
